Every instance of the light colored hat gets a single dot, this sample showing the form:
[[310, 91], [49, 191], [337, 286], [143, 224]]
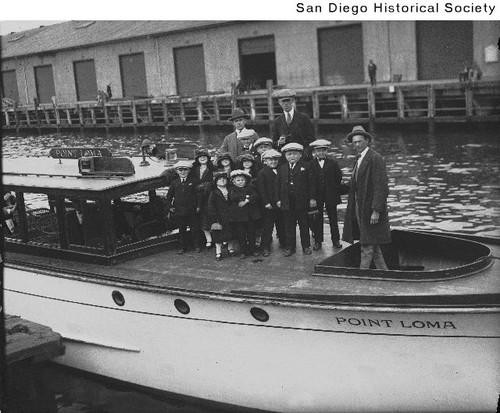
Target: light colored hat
[[320, 143], [292, 146], [262, 141], [240, 172], [285, 94], [183, 164], [271, 153], [246, 133], [359, 130]]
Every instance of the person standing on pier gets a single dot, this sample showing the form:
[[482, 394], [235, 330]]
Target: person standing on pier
[[372, 72], [233, 143], [366, 216], [292, 126]]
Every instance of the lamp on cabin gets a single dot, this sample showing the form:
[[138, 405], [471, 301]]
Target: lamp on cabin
[[146, 144]]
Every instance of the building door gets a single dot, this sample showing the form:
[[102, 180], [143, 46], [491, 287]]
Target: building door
[[85, 80], [190, 70], [133, 73], [257, 61], [44, 83], [341, 55], [443, 48], [8, 87]]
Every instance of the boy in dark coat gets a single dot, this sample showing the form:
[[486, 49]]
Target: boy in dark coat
[[295, 194], [243, 211], [328, 177], [182, 201], [266, 188]]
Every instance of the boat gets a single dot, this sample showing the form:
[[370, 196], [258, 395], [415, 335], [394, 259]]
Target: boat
[[299, 334]]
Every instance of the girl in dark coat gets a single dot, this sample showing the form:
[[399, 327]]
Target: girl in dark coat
[[202, 173], [243, 211], [218, 213]]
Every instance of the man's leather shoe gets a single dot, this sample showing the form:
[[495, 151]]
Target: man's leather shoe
[[317, 246], [288, 252], [337, 244], [307, 251]]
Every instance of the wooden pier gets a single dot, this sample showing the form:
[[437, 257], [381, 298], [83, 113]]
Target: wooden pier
[[399, 102], [28, 345]]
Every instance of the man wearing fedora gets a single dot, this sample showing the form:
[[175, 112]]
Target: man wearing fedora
[[292, 125], [366, 216], [233, 143]]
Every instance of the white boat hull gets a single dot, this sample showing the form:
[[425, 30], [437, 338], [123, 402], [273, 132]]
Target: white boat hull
[[306, 358]]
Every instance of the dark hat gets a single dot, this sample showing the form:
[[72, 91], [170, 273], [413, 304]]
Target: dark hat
[[201, 152], [237, 113], [220, 174], [224, 155], [285, 94], [246, 157], [359, 130]]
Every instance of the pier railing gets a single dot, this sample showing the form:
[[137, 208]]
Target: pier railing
[[409, 102]]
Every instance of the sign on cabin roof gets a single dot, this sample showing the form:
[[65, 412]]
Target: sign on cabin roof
[[77, 153]]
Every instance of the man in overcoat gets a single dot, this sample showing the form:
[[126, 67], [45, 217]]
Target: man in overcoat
[[366, 215], [292, 126], [233, 143]]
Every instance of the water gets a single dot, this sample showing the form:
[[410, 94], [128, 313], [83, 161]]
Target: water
[[448, 181]]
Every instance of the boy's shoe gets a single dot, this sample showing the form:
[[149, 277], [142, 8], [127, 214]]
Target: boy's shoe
[[337, 244], [307, 251], [317, 246], [265, 253], [288, 252]]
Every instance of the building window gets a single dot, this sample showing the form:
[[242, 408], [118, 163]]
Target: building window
[[257, 62]]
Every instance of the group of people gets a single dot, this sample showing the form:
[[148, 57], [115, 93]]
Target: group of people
[[258, 184]]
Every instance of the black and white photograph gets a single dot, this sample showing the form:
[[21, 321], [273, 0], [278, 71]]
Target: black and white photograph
[[226, 207]]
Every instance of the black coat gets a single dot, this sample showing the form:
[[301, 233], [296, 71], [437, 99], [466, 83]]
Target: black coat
[[249, 212], [183, 196], [218, 211], [301, 130], [303, 180], [328, 180], [266, 186]]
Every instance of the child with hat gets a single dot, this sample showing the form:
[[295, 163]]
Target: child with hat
[[218, 213], [246, 162], [182, 201], [260, 146], [328, 177], [266, 188], [202, 171], [295, 194], [243, 211]]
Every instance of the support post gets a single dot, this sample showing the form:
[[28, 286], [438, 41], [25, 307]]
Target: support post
[[165, 118], [270, 103], [316, 113], [401, 103]]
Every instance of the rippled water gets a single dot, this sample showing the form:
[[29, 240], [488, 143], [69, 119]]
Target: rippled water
[[448, 181]]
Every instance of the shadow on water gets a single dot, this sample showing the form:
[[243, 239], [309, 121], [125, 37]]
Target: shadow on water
[[446, 180]]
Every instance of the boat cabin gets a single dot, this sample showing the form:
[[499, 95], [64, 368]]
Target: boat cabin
[[99, 209]]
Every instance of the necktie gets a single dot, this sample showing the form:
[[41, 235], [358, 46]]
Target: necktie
[[355, 168], [288, 118]]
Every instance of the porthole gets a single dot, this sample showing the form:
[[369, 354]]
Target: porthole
[[259, 314], [182, 306], [118, 298]]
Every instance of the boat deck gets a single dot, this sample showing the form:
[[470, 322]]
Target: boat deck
[[278, 278]]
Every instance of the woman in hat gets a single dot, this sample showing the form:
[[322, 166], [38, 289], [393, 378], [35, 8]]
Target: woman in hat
[[246, 162], [218, 213], [202, 172], [243, 211], [225, 163]]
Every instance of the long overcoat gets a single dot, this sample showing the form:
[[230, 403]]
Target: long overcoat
[[218, 211], [370, 188]]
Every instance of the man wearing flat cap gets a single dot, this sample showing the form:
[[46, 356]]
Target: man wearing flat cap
[[234, 143], [366, 216], [292, 125]]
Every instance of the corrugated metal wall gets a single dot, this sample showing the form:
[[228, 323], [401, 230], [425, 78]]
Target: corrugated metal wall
[[341, 55], [443, 47], [85, 80], [44, 81], [9, 85], [190, 70]]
